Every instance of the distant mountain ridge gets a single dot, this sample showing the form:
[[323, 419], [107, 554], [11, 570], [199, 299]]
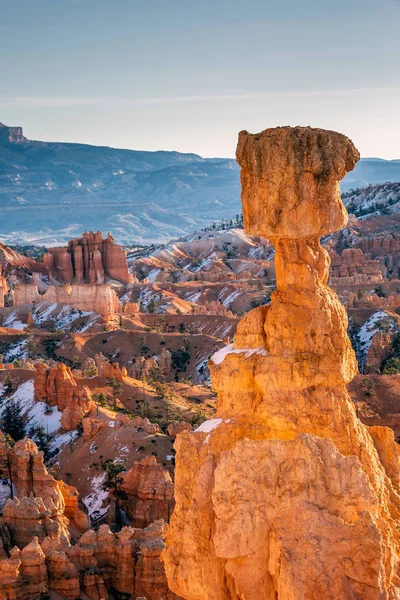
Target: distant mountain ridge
[[52, 191]]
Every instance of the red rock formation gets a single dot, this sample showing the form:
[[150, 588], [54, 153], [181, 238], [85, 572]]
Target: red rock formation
[[112, 370], [11, 134], [286, 493], [3, 287], [177, 427], [30, 517], [58, 387], [144, 423], [89, 259], [91, 427], [72, 509], [379, 350], [351, 266], [149, 491]]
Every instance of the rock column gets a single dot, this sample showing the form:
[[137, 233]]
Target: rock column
[[285, 494]]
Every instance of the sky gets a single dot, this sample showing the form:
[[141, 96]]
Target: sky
[[189, 75]]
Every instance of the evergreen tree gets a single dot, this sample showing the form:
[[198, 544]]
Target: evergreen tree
[[42, 440], [116, 388], [13, 423], [112, 483]]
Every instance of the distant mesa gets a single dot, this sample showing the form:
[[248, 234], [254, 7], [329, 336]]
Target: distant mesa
[[11, 134]]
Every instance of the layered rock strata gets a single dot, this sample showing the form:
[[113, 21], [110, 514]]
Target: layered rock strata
[[101, 299], [286, 494], [89, 259]]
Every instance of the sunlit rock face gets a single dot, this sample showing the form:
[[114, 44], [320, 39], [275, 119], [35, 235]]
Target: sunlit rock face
[[284, 494]]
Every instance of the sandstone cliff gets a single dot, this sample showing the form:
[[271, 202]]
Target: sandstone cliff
[[101, 299], [285, 494]]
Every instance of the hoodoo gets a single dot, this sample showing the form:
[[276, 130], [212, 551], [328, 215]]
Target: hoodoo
[[286, 494]]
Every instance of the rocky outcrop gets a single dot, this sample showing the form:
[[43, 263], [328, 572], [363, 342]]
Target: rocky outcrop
[[11, 134], [351, 266], [286, 493], [150, 492], [101, 299], [3, 287], [57, 386], [379, 350], [43, 557], [89, 259], [91, 427], [145, 424], [127, 562], [112, 371], [30, 517], [177, 427], [41, 506], [143, 368], [72, 509]]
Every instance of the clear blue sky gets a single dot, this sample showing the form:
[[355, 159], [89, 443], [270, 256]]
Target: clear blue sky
[[188, 75]]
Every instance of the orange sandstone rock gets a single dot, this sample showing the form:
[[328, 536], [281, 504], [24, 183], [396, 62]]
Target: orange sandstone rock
[[286, 494], [58, 387], [150, 492]]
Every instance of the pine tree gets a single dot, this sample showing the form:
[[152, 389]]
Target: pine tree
[[112, 483], [42, 440], [13, 423]]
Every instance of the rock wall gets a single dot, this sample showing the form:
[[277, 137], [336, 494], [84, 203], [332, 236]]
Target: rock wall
[[101, 299], [89, 259], [286, 494]]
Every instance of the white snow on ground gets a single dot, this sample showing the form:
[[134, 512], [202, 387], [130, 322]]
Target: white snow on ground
[[367, 332], [64, 318], [40, 316], [193, 297], [16, 350], [49, 417], [13, 322], [219, 356], [59, 441], [209, 425], [35, 413], [94, 501], [229, 299], [152, 276]]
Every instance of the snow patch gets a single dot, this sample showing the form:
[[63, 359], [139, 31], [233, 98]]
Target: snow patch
[[219, 356], [208, 426]]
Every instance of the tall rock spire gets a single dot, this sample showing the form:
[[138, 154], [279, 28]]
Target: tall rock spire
[[286, 494]]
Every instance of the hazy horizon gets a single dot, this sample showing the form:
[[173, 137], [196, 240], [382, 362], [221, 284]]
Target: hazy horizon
[[188, 77]]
